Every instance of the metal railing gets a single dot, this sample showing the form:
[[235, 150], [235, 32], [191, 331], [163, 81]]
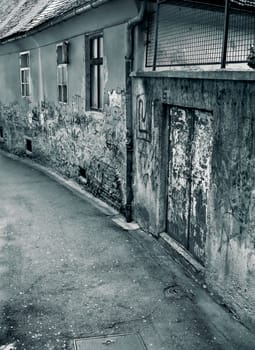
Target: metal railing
[[190, 32]]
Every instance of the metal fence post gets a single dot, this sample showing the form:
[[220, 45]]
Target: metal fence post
[[225, 35], [156, 38]]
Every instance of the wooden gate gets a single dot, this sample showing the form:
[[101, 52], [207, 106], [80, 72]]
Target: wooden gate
[[190, 141]]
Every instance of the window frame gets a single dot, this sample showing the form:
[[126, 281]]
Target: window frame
[[98, 64], [62, 86], [23, 84]]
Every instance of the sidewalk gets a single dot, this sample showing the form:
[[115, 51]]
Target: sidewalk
[[69, 271]]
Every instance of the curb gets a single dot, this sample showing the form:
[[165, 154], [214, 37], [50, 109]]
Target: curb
[[182, 256], [70, 184]]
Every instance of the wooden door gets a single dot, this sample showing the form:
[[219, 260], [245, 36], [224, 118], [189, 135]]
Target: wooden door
[[190, 143], [200, 182]]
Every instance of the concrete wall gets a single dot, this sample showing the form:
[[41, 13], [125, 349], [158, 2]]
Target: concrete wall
[[70, 136], [227, 205]]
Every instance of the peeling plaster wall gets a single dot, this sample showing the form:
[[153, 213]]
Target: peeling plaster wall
[[69, 136], [229, 205]]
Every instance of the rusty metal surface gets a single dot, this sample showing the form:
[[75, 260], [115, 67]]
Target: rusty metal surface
[[200, 182], [179, 165]]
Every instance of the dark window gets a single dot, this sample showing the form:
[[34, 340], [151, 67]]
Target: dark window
[[25, 74], [29, 145], [1, 132], [62, 61], [96, 73], [82, 172], [63, 53], [62, 82], [24, 60]]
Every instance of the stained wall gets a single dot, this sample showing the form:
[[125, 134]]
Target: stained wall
[[68, 137], [225, 207]]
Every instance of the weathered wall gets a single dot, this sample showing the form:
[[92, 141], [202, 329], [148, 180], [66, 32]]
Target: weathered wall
[[228, 203], [70, 136]]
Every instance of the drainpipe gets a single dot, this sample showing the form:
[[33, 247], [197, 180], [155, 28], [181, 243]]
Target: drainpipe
[[129, 112], [156, 39]]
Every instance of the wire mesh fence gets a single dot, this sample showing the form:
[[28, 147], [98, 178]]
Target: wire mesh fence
[[248, 4], [191, 33]]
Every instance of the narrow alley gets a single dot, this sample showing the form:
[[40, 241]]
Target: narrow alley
[[69, 272]]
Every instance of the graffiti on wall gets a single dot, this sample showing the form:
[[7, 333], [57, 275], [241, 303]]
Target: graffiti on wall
[[237, 168], [143, 116]]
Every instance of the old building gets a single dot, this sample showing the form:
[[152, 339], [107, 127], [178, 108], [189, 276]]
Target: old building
[[129, 96], [63, 96]]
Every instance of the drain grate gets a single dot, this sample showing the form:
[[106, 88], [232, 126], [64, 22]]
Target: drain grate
[[115, 342]]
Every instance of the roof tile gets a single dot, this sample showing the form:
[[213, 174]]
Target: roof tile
[[19, 16], [23, 15]]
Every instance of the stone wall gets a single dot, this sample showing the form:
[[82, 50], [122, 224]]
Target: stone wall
[[227, 207], [73, 142], [69, 137]]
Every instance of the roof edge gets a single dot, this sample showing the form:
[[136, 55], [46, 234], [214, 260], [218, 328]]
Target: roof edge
[[51, 22]]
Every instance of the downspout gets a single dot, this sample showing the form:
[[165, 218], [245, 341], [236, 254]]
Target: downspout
[[129, 109]]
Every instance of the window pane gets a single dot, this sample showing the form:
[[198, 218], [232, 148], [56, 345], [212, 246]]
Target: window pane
[[101, 46], [59, 75], [60, 93], [94, 87], [24, 60], [64, 75], [22, 76], [59, 54], [26, 76], [101, 86], [27, 89], [64, 87], [23, 90], [65, 48], [94, 51]]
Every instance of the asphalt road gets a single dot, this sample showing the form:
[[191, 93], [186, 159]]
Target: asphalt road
[[67, 271]]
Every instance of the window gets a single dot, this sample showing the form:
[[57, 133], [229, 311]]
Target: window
[[62, 83], [96, 73], [28, 145], [62, 62], [82, 172], [1, 132], [25, 74]]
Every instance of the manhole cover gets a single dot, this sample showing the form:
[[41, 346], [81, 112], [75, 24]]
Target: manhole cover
[[115, 342]]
